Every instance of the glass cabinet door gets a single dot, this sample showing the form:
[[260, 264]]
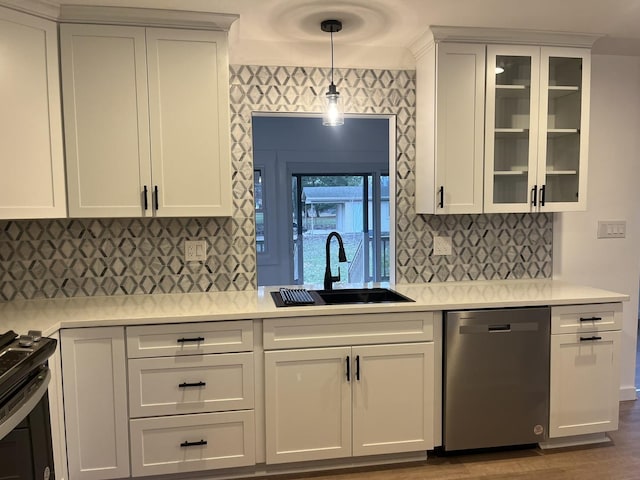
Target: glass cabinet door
[[511, 140], [564, 93]]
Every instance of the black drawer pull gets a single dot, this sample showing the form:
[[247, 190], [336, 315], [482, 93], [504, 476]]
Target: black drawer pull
[[590, 319], [194, 339], [196, 384], [146, 201], [193, 444], [590, 339], [358, 367]]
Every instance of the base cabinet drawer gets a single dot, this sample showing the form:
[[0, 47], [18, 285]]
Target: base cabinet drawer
[[586, 318], [190, 384], [189, 443], [189, 338]]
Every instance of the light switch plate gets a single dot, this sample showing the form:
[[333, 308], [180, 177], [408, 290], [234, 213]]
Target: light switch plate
[[442, 245], [195, 250], [612, 229]]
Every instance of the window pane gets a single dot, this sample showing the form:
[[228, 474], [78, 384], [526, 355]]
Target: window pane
[[260, 224]]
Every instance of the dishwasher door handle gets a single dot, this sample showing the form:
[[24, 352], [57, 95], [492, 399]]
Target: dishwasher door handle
[[499, 328]]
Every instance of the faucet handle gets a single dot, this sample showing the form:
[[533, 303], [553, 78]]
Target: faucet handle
[[337, 279]]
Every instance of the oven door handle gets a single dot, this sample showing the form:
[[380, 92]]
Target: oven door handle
[[24, 407]]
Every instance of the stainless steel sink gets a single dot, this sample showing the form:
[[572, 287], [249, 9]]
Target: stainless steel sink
[[360, 295]]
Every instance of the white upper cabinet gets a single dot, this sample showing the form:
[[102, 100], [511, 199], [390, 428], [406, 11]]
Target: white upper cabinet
[[31, 157], [450, 123], [502, 120], [146, 121], [537, 111]]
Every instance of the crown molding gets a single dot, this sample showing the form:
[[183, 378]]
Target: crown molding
[[153, 17], [42, 8], [146, 16], [513, 36]]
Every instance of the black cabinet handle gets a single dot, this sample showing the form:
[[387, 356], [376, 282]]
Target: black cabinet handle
[[441, 193], [542, 189], [193, 444], [196, 384], [534, 195], [194, 339], [358, 367], [590, 319], [590, 339], [155, 196], [146, 199], [348, 369]]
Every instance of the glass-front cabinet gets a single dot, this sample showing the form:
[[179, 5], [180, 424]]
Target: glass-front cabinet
[[536, 128]]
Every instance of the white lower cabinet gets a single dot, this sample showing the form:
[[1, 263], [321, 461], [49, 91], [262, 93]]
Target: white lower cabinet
[[191, 409], [342, 401], [189, 443], [95, 402], [585, 369]]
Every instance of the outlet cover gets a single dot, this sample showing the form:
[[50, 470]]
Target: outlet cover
[[195, 250], [442, 245]]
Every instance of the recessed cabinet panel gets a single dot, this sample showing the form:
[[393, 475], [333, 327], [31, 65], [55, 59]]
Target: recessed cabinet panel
[[107, 120], [450, 119], [95, 402], [190, 384], [393, 407], [585, 382], [190, 443], [308, 404], [189, 106], [31, 157]]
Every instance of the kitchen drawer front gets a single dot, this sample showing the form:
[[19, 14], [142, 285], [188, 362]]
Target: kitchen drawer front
[[339, 330], [190, 384], [189, 338], [586, 318], [189, 443]]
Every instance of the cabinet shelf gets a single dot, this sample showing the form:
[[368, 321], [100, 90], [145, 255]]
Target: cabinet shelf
[[562, 91], [511, 133], [561, 172], [512, 91], [561, 132], [510, 172]]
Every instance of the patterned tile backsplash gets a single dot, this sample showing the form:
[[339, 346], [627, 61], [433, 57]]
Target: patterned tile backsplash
[[85, 257]]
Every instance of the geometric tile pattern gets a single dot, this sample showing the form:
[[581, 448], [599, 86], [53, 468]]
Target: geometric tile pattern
[[86, 257], [123, 256], [484, 247]]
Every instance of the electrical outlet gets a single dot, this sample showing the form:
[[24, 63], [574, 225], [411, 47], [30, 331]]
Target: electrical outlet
[[195, 250], [612, 229], [442, 245]]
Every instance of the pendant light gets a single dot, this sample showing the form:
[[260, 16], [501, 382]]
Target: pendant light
[[333, 110]]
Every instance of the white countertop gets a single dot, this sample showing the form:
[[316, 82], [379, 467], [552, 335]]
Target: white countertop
[[50, 315]]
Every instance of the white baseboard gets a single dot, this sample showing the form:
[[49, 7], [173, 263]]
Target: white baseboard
[[628, 393]]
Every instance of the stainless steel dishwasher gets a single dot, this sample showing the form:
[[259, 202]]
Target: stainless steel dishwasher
[[496, 377]]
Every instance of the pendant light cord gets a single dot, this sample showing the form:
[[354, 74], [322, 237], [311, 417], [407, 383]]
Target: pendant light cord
[[331, 57]]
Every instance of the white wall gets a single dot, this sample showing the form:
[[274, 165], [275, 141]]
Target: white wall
[[613, 194]]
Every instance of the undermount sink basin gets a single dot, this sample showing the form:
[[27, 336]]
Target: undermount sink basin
[[360, 295]]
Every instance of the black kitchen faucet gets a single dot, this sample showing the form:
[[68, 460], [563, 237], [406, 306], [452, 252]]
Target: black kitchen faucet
[[342, 257]]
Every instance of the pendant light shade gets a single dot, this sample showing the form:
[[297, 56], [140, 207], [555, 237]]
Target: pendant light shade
[[333, 110]]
